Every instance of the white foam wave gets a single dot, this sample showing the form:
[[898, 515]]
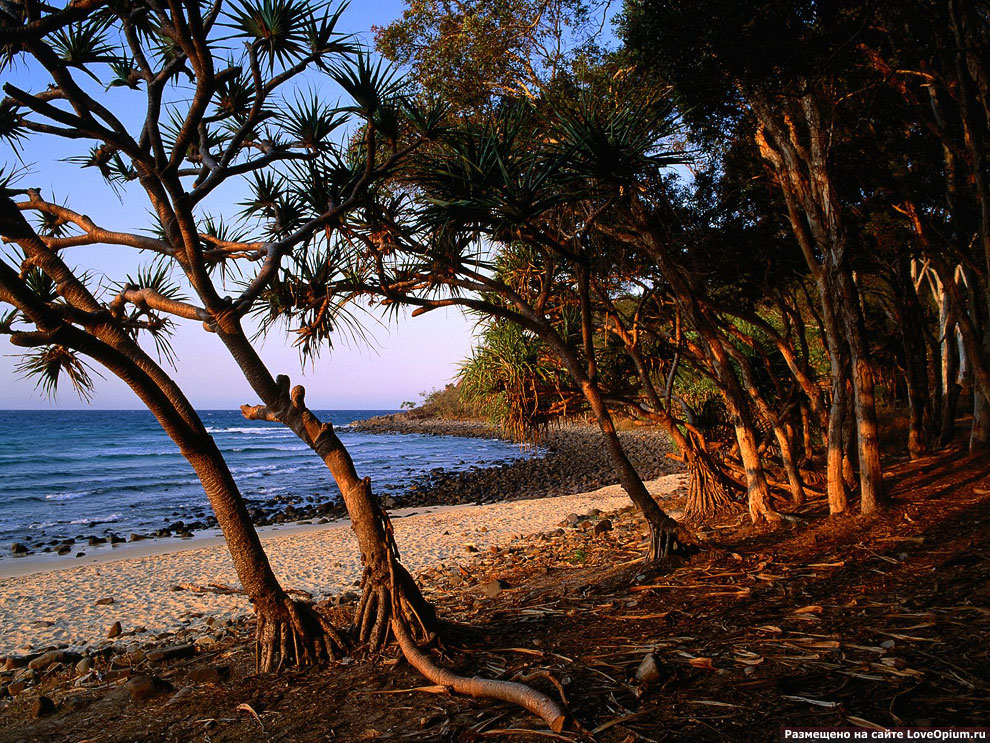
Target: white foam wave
[[266, 430], [96, 519], [66, 496]]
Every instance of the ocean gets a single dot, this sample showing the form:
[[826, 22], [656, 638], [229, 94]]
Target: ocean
[[72, 474]]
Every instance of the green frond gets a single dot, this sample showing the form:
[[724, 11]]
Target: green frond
[[369, 84], [125, 73], [279, 28], [83, 44], [111, 165], [323, 39], [309, 122], [48, 365], [235, 96], [12, 129]]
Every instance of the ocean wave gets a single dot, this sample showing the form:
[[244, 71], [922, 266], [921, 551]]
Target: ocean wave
[[110, 518], [96, 520], [67, 496], [266, 430]]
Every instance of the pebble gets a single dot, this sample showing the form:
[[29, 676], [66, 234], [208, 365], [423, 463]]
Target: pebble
[[106, 601], [114, 630], [493, 588], [649, 669]]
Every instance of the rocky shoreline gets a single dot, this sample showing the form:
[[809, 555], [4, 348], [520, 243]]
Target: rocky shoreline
[[573, 461], [570, 460]]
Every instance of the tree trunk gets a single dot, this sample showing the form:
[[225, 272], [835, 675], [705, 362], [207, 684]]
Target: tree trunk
[[280, 619], [288, 630], [871, 487], [383, 573]]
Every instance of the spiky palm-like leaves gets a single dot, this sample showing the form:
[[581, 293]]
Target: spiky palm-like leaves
[[286, 31], [309, 122], [495, 177], [156, 276], [613, 144], [514, 380], [12, 129], [83, 44], [48, 365], [115, 171]]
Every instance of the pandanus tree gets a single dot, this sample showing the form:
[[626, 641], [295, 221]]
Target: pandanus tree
[[242, 117], [786, 96], [478, 192], [241, 122]]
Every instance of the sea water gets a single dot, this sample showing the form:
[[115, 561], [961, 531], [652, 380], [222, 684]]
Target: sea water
[[79, 473]]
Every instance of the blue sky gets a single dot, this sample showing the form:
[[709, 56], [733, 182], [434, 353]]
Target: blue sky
[[405, 357]]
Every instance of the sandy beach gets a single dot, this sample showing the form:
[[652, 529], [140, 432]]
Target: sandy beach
[[44, 603]]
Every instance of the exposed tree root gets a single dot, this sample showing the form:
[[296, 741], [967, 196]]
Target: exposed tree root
[[526, 697], [295, 633], [384, 588], [668, 537]]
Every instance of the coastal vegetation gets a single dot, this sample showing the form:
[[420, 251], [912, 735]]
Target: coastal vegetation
[[768, 237]]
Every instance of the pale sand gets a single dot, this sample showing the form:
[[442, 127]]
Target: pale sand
[[320, 559]]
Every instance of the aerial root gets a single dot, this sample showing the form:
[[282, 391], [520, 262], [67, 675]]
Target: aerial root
[[295, 634], [707, 495]]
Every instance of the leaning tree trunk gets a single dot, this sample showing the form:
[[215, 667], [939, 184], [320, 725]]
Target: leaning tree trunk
[[281, 620], [384, 576], [665, 532], [288, 631]]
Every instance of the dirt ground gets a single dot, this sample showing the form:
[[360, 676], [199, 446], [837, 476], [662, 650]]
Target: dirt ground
[[868, 622]]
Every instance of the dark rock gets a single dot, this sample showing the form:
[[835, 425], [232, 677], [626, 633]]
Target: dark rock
[[63, 550], [84, 666], [93, 541], [106, 601], [115, 630], [53, 656], [649, 669], [42, 706], [601, 527], [138, 537], [142, 688], [19, 549], [205, 674], [14, 662], [16, 687], [572, 518], [114, 539], [171, 653]]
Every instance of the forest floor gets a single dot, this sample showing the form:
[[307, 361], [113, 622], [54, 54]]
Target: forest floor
[[867, 622]]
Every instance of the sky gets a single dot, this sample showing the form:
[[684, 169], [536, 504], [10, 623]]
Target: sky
[[406, 356]]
